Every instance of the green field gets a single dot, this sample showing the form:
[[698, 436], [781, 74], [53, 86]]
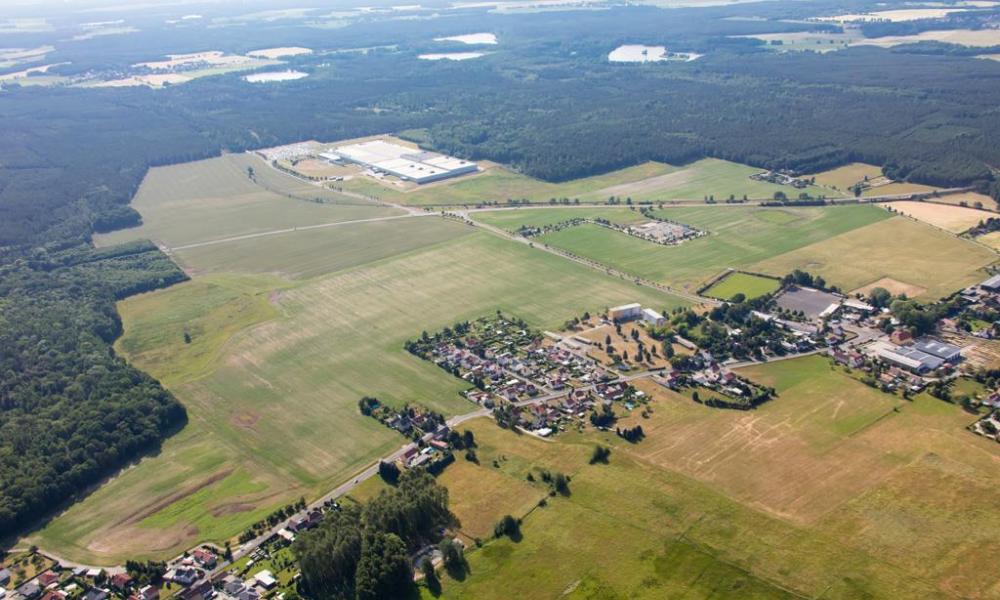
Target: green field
[[739, 236], [899, 248], [831, 490], [750, 286], [512, 219], [274, 369], [645, 182], [215, 199]]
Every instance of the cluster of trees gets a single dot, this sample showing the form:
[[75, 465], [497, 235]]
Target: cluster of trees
[[148, 572], [70, 410], [631, 434], [363, 553], [276, 516], [920, 318], [601, 454], [806, 279], [507, 526], [605, 417]]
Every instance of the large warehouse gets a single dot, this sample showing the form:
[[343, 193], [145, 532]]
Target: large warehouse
[[408, 164]]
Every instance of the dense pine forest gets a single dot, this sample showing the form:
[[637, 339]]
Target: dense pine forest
[[547, 102]]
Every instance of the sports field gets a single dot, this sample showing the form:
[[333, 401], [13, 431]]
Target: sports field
[[275, 367], [649, 181], [739, 236], [955, 219], [750, 286], [831, 490], [899, 248]]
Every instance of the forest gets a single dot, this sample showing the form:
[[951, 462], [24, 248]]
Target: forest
[[363, 552], [546, 102]]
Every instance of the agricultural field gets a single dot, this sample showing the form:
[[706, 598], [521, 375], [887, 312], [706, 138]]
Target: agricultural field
[[216, 199], [738, 237], [991, 240], [512, 219], [274, 368], [812, 41], [842, 178], [750, 286], [832, 489], [981, 38], [899, 248], [646, 182], [898, 188], [970, 199], [955, 219]]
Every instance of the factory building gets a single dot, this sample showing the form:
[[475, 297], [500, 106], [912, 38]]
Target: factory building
[[625, 312], [909, 358], [946, 352], [408, 164]]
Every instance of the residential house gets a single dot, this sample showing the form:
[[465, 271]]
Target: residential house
[[901, 337], [204, 558], [121, 581], [30, 590], [4, 576], [149, 592], [96, 594], [47, 578], [265, 579]]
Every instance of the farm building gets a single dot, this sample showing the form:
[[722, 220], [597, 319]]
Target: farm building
[[992, 284], [408, 164], [625, 312]]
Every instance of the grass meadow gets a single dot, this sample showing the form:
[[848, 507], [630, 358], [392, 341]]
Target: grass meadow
[[751, 286], [831, 490]]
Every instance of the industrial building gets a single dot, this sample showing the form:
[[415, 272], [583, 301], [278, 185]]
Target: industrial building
[[408, 164], [909, 358], [652, 317], [625, 312], [946, 352], [992, 284]]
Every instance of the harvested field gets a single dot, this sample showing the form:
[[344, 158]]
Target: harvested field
[[898, 188], [970, 199], [942, 265], [273, 53], [982, 38], [894, 287], [842, 178], [955, 219], [991, 239], [896, 16]]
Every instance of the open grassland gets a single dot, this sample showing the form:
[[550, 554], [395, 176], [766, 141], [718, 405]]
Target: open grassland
[[831, 490], [273, 406], [751, 286], [955, 219], [649, 181], [898, 248], [739, 236], [215, 199]]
